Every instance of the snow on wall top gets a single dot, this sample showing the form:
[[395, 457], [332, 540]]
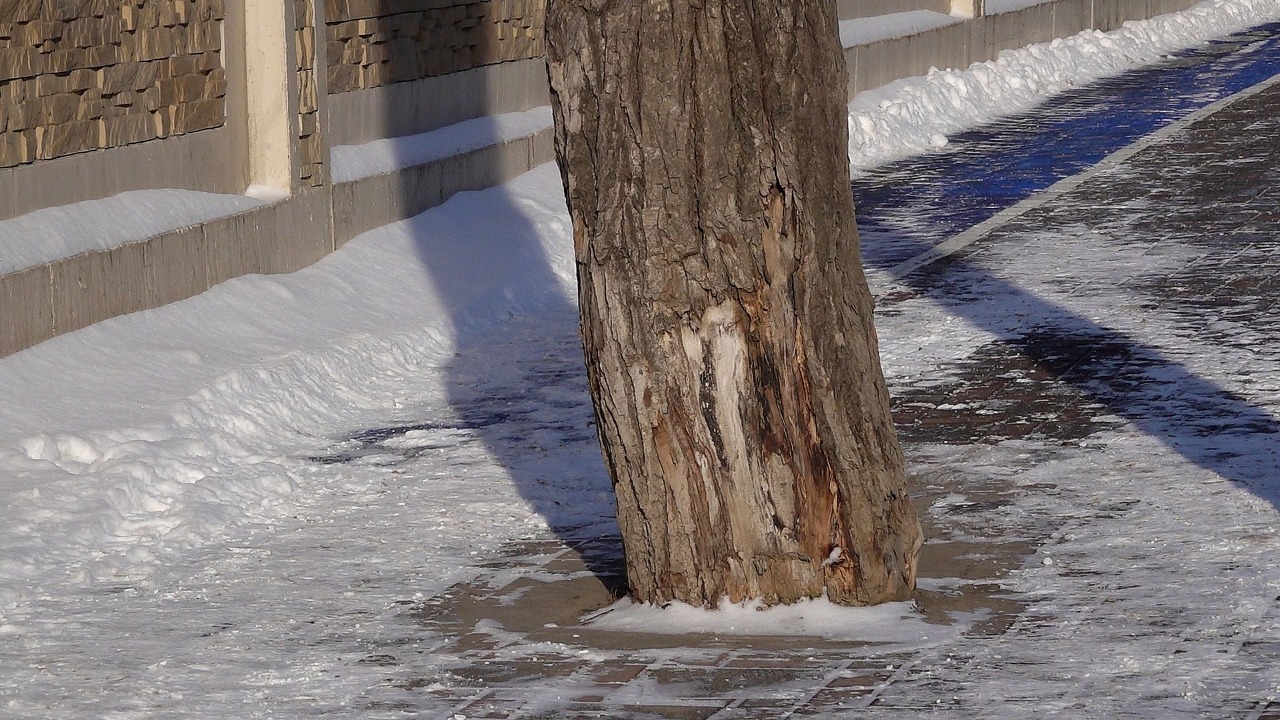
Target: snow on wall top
[[353, 162], [56, 233], [861, 31]]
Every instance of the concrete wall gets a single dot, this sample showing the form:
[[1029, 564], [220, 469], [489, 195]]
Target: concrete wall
[[98, 97], [47, 300], [372, 202]]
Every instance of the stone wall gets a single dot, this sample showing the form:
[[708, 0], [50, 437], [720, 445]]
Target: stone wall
[[311, 151], [372, 43], [81, 75]]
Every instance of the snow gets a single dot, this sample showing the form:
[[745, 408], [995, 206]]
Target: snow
[[352, 162], [996, 7], [863, 31], [913, 115], [146, 458], [899, 624], [179, 424], [69, 230], [208, 511]]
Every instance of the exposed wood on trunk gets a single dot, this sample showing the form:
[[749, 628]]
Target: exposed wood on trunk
[[725, 315]]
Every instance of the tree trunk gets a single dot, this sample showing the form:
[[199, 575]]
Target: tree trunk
[[726, 319]]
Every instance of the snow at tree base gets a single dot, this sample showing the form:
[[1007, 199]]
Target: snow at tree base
[[239, 505]]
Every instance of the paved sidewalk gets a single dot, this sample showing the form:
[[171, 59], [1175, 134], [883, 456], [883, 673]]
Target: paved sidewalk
[[1078, 370]]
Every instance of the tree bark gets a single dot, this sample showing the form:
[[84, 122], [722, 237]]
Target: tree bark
[[726, 320]]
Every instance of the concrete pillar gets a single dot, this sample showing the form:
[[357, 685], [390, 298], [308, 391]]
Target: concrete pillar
[[968, 8], [271, 100]]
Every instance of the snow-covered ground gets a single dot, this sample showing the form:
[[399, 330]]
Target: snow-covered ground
[[207, 511]]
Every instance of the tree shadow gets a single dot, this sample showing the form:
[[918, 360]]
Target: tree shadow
[[1202, 422], [906, 208], [516, 385], [517, 382]]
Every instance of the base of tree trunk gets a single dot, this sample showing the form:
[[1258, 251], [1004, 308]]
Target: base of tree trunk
[[726, 320]]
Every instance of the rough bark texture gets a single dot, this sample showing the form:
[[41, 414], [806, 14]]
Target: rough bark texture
[[726, 318]]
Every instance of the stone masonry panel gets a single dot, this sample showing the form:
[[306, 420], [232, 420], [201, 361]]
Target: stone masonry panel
[[371, 43], [81, 75], [310, 146]]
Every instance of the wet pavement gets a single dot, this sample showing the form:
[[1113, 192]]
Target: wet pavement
[[1130, 318]]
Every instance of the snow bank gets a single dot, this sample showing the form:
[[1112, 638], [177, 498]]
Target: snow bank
[[913, 115], [170, 429]]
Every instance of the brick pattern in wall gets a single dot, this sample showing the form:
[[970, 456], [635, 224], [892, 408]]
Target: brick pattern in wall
[[79, 75], [310, 147], [371, 43]]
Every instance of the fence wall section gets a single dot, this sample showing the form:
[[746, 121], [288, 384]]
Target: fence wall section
[[103, 97]]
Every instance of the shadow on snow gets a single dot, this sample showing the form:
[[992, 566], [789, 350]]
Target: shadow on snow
[[517, 386]]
